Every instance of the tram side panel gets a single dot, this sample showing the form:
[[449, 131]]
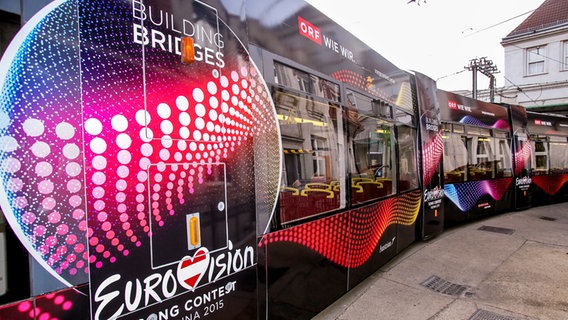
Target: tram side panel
[[432, 145], [549, 174], [478, 177], [340, 215], [521, 152]]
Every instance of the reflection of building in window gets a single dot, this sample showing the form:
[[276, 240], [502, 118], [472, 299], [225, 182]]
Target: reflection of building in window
[[320, 157], [310, 184], [540, 155], [483, 154], [455, 157], [306, 82], [407, 154], [503, 158], [558, 154]]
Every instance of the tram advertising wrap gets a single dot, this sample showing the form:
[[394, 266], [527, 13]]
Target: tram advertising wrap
[[152, 159], [248, 159], [549, 141], [477, 157]]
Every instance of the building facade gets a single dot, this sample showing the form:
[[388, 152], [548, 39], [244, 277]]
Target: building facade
[[536, 60]]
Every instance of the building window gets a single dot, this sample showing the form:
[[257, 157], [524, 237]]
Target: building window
[[565, 55], [535, 60]]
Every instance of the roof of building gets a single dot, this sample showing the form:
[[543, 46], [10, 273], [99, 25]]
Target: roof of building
[[550, 13]]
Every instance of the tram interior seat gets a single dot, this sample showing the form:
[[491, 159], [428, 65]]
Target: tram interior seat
[[313, 198]]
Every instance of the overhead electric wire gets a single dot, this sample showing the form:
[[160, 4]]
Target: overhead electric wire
[[451, 74], [499, 23], [522, 91]]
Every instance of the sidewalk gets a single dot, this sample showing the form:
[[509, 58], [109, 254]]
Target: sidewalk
[[515, 267]]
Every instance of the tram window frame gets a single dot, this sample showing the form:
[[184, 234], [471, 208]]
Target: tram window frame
[[296, 79], [455, 158], [372, 151], [558, 154], [540, 159], [502, 154], [481, 154], [312, 135], [363, 104], [408, 176], [372, 167]]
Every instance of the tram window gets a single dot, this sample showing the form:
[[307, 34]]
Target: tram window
[[291, 78], [558, 155], [325, 89], [481, 158], [311, 174], [305, 82], [408, 168], [455, 158], [458, 128], [366, 106], [503, 163], [404, 117], [372, 167], [540, 156]]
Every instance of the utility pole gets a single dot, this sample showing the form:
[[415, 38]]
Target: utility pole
[[487, 68]]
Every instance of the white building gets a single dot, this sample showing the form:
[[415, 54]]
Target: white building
[[536, 60]]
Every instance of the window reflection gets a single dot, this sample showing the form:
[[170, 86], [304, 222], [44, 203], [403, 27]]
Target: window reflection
[[311, 177], [475, 154], [540, 156], [455, 156], [481, 158], [306, 82], [373, 167], [372, 148], [408, 173], [558, 155], [503, 158]]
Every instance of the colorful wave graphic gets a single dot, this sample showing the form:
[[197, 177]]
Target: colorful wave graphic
[[522, 157], [466, 195], [499, 124], [350, 238], [550, 184], [432, 154], [358, 81], [91, 133]]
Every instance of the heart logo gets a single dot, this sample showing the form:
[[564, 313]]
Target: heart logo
[[190, 270]]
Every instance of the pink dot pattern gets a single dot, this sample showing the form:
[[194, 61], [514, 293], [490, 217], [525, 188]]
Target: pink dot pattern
[[149, 159]]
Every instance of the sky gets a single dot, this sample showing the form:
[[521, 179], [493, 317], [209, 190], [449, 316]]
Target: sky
[[437, 37]]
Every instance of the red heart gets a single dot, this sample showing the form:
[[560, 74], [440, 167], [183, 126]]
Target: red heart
[[191, 269]]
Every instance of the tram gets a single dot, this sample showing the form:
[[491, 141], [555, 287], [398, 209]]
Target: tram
[[167, 159], [548, 138]]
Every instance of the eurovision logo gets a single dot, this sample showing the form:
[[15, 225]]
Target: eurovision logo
[[434, 194], [116, 296]]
